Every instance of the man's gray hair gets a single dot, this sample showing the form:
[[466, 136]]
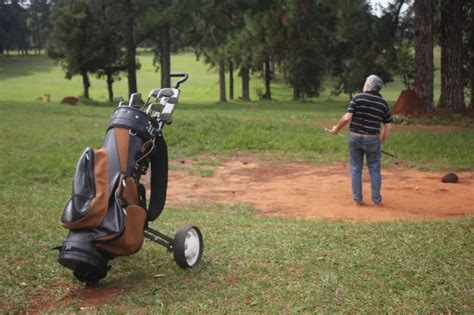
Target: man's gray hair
[[374, 83]]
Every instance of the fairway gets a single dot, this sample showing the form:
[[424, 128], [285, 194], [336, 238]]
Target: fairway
[[268, 187]]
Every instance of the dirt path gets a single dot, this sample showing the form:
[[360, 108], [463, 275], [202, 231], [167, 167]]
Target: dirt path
[[304, 190]]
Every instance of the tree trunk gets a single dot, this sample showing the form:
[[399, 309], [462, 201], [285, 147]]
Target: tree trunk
[[222, 97], [110, 82], [245, 74], [85, 83], [285, 72], [296, 94], [423, 86], [452, 96], [471, 47], [131, 49], [231, 80], [268, 92], [165, 58]]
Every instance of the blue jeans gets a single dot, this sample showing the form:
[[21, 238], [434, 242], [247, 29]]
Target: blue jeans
[[369, 145]]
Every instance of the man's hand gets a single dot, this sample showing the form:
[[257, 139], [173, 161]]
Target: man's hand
[[345, 119]]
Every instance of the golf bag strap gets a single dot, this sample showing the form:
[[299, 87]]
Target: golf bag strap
[[159, 179]]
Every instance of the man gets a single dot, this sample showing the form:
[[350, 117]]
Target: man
[[367, 112]]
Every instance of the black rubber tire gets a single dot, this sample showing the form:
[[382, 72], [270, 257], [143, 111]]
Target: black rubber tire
[[179, 246]]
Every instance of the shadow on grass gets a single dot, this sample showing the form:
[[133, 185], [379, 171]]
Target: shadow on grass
[[93, 103], [22, 66]]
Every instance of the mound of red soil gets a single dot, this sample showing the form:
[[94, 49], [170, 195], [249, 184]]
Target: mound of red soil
[[70, 100], [408, 103]]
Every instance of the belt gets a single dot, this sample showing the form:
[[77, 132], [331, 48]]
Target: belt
[[364, 134]]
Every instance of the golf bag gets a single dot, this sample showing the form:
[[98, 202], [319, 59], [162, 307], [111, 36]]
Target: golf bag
[[107, 214]]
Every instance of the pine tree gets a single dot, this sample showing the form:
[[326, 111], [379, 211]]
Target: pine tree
[[86, 40], [70, 41], [215, 24], [38, 23], [308, 30]]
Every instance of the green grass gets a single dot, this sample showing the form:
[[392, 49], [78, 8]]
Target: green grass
[[25, 78], [18, 72], [251, 264]]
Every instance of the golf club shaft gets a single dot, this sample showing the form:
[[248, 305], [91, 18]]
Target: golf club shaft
[[384, 152], [389, 154]]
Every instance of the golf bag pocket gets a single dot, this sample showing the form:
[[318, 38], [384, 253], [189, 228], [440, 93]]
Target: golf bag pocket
[[88, 204], [129, 191], [131, 240]]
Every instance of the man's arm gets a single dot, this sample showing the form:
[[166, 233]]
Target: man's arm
[[386, 132], [345, 119]]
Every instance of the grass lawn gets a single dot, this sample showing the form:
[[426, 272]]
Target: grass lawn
[[251, 264]]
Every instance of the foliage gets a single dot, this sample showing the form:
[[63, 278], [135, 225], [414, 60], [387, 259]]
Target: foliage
[[308, 33], [39, 22], [73, 38], [366, 44], [14, 30], [86, 38]]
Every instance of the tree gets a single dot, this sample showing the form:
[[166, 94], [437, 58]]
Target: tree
[[130, 44], [308, 31], [162, 23], [87, 39], [266, 35], [215, 25], [111, 59], [424, 69], [468, 53], [21, 32], [471, 53], [38, 23], [14, 31], [366, 44], [73, 40], [6, 26], [452, 95], [356, 52]]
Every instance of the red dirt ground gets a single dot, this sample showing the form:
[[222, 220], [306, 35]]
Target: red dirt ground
[[75, 294], [309, 191]]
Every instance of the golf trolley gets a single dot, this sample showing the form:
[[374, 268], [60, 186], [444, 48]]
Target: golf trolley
[[107, 214]]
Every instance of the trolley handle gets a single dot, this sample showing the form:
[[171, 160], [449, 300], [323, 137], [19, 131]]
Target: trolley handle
[[182, 75]]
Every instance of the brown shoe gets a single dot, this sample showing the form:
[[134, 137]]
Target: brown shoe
[[378, 205], [359, 203]]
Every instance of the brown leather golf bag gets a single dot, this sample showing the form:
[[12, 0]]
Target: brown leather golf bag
[[107, 214]]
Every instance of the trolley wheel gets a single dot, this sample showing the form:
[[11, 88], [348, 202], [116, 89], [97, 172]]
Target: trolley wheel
[[188, 246]]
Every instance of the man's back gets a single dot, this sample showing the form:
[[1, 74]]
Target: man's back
[[369, 110]]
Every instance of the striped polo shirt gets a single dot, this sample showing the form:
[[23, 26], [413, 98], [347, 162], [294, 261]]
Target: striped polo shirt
[[369, 110]]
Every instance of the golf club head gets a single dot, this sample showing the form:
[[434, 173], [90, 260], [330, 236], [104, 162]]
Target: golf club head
[[134, 98], [154, 93], [167, 113], [167, 92]]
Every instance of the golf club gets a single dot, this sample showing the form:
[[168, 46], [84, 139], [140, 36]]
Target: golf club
[[384, 152]]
